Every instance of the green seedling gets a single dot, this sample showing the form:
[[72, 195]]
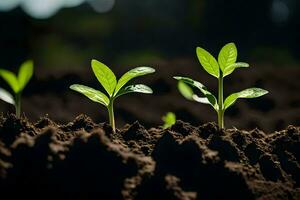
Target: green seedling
[[169, 120], [225, 65], [17, 84], [113, 87]]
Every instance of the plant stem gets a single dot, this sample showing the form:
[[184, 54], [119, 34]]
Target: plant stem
[[18, 104], [220, 102], [111, 115]]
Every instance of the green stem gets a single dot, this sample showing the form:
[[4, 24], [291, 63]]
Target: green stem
[[18, 104], [220, 102], [111, 115]]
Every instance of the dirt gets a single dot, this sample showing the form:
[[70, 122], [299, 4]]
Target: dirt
[[85, 160]]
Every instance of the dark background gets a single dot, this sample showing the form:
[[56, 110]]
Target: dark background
[[158, 33]]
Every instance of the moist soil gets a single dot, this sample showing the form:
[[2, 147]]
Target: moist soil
[[86, 160]]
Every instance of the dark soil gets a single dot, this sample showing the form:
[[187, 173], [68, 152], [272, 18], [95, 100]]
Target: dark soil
[[84, 160]]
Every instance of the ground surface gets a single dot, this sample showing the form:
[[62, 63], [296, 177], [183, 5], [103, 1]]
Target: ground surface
[[84, 160]]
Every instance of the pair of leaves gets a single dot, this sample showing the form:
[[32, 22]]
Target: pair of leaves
[[16, 82], [188, 93], [113, 87], [226, 60]]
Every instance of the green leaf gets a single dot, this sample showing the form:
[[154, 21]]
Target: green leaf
[[11, 79], [228, 70], [136, 72], [139, 88], [190, 81], [25, 74], [91, 93], [203, 100], [247, 93], [169, 120], [105, 76], [227, 56], [6, 96], [189, 94], [211, 99], [208, 62], [185, 90]]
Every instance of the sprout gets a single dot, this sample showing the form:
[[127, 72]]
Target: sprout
[[225, 65], [17, 84], [113, 87], [169, 120]]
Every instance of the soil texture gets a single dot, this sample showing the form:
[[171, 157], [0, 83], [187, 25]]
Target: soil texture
[[85, 160]]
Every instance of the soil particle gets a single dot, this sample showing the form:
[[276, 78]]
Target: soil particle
[[207, 129], [182, 128], [270, 168], [175, 191], [253, 152], [44, 122], [4, 165], [136, 132], [82, 122], [227, 149], [13, 127]]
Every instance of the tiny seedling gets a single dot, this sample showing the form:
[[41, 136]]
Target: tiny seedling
[[113, 87], [17, 84], [169, 120], [225, 65]]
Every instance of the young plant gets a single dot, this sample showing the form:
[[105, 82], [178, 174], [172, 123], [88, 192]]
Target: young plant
[[225, 65], [169, 120], [17, 84], [113, 87]]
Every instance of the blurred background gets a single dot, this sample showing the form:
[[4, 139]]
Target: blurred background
[[62, 36]]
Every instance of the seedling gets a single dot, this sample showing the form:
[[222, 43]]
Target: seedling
[[169, 120], [113, 87], [226, 65], [17, 84]]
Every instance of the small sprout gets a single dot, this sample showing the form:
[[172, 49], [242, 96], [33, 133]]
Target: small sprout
[[113, 87], [17, 84], [225, 65], [169, 120]]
